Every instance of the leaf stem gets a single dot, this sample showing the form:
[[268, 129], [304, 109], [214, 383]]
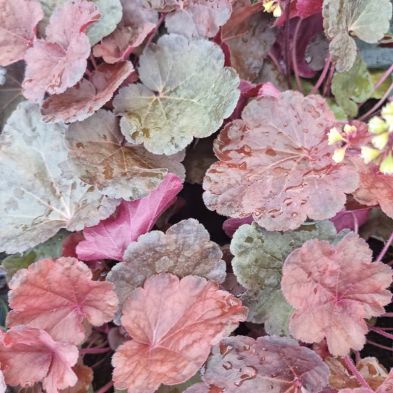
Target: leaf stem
[[93, 351], [105, 388], [381, 332], [379, 345], [322, 76], [378, 104], [385, 248], [294, 56], [355, 222], [286, 42], [355, 372], [383, 78]]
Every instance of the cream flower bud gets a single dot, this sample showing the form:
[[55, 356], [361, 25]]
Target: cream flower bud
[[377, 126], [369, 154], [339, 154], [380, 140], [334, 136], [386, 166]]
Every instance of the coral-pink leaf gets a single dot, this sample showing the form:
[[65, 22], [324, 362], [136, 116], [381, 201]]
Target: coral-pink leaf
[[59, 61], [333, 288], [173, 324], [60, 297], [375, 188], [110, 238], [275, 164], [18, 21], [29, 355], [80, 102], [269, 364]]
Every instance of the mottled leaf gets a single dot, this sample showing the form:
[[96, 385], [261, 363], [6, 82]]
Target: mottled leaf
[[101, 157], [333, 289], [343, 19], [269, 364], [37, 199], [257, 263], [185, 249], [276, 165], [185, 92], [199, 17], [173, 324]]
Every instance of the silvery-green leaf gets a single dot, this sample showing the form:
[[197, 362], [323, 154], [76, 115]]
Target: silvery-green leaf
[[39, 194], [186, 92]]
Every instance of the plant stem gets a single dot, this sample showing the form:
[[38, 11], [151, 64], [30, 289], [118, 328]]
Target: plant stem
[[387, 315], [355, 222], [378, 104], [384, 76], [385, 248], [294, 56], [105, 388], [352, 368], [92, 351], [379, 345], [381, 332], [322, 76], [286, 42], [328, 82]]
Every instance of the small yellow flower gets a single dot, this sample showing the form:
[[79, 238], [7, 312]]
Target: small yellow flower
[[377, 126], [273, 6], [339, 154], [348, 129], [380, 141], [334, 136], [277, 11], [386, 166], [369, 154], [387, 114]]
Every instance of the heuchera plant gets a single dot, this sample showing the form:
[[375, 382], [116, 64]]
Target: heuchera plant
[[196, 196]]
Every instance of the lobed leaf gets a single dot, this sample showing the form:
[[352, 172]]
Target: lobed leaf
[[366, 19], [138, 21], [59, 61], [199, 18], [18, 21], [110, 238], [99, 155], [185, 249], [185, 92], [38, 193], [257, 263], [275, 164], [173, 324], [88, 96], [61, 298], [333, 289], [48, 361], [269, 364]]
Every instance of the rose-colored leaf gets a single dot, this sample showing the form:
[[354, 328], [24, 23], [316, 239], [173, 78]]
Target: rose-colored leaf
[[375, 188], [100, 157], [276, 165], [350, 219], [333, 288], [306, 8], [29, 355], [199, 18], [138, 21], [173, 324], [59, 61], [81, 101], [18, 21], [60, 297], [231, 225], [70, 243], [185, 249], [110, 238], [269, 364]]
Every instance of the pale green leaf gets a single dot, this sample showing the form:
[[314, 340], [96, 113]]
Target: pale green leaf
[[368, 20], [39, 194], [352, 87], [185, 92], [257, 264]]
